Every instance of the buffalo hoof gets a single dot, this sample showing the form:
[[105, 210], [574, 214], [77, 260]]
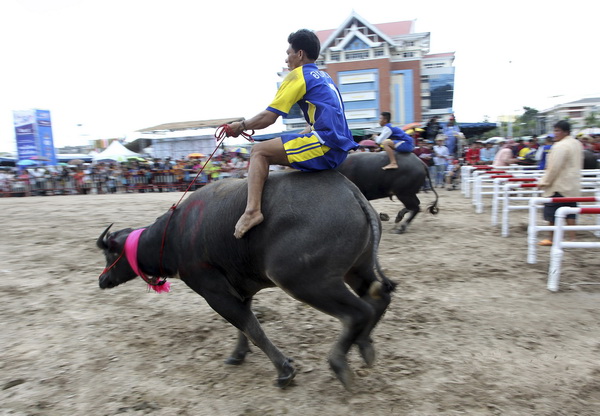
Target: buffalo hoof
[[237, 358], [367, 352], [383, 216], [400, 230], [342, 372], [286, 375]]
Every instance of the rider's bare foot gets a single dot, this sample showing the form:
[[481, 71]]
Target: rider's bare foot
[[390, 166], [246, 222]]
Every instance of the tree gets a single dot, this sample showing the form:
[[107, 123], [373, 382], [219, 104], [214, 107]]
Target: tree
[[592, 120], [526, 123]]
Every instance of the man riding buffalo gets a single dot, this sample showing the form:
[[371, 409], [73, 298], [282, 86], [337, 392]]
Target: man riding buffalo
[[393, 139], [322, 145]]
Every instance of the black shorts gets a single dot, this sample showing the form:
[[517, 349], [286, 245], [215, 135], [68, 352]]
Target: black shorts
[[551, 207]]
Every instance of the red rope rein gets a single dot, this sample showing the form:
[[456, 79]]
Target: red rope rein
[[222, 132]]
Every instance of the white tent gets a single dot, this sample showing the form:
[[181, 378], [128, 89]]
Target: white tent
[[115, 151]]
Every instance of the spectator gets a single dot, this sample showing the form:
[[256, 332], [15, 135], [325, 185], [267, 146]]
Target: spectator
[[452, 131], [563, 175], [432, 129], [440, 160], [425, 153], [526, 155], [542, 152], [452, 174], [487, 154], [505, 156], [472, 155], [586, 142], [534, 143]]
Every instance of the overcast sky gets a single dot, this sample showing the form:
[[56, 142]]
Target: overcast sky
[[116, 66]]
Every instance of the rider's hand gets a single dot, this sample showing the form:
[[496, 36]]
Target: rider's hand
[[236, 128]]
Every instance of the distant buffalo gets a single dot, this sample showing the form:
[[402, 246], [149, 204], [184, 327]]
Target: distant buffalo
[[364, 169], [590, 160]]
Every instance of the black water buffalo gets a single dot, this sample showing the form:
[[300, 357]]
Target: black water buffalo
[[364, 169], [590, 160], [319, 234]]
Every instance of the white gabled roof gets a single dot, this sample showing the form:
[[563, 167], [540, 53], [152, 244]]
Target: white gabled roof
[[346, 24]]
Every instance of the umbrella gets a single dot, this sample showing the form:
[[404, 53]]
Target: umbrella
[[411, 131], [495, 140], [367, 143], [411, 126], [241, 150], [195, 155], [26, 162], [75, 162], [590, 130]]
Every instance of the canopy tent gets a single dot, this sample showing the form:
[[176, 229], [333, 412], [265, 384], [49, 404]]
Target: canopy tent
[[115, 151], [65, 157], [8, 161], [475, 129]]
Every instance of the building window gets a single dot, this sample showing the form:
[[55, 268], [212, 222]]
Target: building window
[[295, 112], [357, 55], [435, 65], [408, 54], [379, 52], [409, 44], [335, 56]]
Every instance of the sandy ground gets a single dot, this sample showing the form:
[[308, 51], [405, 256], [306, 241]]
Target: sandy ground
[[471, 328]]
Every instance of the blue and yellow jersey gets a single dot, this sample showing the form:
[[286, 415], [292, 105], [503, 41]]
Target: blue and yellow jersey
[[403, 141], [399, 134], [320, 102]]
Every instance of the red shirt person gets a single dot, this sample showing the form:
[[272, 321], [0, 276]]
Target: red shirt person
[[472, 154]]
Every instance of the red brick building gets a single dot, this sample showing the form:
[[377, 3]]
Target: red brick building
[[384, 67]]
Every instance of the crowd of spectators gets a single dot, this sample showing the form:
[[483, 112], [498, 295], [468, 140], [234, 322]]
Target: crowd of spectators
[[165, 175], [153, 175]]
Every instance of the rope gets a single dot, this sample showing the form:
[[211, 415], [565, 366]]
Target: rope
[[222, 132]]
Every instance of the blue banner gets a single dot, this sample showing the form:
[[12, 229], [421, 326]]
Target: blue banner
[[44, 136], [33, 129], [25, 133]]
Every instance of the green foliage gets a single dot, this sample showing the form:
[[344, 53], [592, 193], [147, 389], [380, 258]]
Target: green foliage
[[526, 123], [592, 120]]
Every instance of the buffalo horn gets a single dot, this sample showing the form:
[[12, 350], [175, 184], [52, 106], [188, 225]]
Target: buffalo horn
[[103, 240]]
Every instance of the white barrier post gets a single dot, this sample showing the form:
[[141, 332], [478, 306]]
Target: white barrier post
[[558, 245], [478, 196], [533, 228], [473, 173], [506, 207], [465, 176]]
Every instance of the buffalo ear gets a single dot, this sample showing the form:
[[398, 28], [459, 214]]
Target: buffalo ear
[[102, 241]]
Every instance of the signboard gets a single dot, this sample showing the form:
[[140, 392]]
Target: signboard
[[359, 96], [357, 78], [45, 139], [360, 114], [33, 130], [25, 133]]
